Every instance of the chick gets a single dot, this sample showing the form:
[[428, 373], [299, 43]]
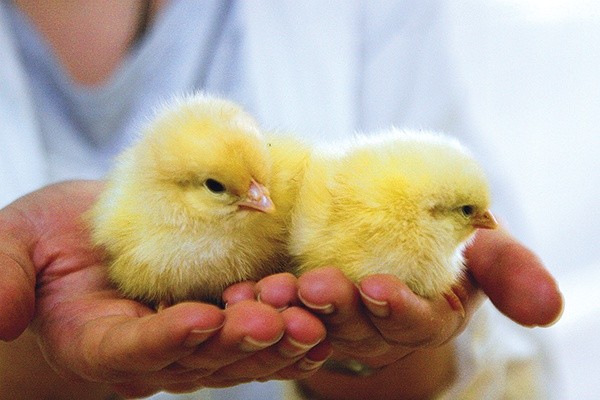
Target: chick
[[186, 211], [398, 202], [289, 156]]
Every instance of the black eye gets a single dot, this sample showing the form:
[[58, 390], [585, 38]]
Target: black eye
[[214, 186], [467, 210]]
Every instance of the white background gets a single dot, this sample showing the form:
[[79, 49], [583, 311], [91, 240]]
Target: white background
[[533, 73]]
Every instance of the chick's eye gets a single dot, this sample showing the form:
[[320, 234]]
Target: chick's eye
[[467, 210], [214, 186]]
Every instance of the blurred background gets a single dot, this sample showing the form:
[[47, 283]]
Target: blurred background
[[532, 68], [532, 73]]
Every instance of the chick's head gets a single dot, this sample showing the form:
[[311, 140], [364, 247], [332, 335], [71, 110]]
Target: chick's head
[[425, 186], [209, 157]]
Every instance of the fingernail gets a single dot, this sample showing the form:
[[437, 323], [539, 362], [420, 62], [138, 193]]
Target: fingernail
[[250, 344], [379, 308], [307, 364], [198, 336], [291, 348], [323, 309], [279, 309], [455, 303]]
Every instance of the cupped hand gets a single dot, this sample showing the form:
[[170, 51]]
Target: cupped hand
[[379, 323], [380, 320], [55, 283]]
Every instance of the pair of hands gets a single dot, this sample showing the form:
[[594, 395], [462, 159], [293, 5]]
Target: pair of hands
[[86, 330]]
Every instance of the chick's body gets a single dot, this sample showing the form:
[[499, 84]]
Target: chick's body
[[289, 157], [399, 202], [186, 211]]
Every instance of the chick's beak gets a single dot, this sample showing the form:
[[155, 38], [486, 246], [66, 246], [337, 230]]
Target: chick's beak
[[485, 221], [258, 199]]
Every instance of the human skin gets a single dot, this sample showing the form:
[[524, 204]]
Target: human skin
[[406, 338], [56, 288]]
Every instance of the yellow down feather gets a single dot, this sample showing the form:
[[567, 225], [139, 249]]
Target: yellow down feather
[[397, 202], [187, 209]]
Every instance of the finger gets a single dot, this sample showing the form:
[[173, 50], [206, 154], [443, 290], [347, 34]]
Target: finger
[[306, 365], [26, 227], [134, 390], [148, 384], [17, 297], [279, 291], [328, 293], [17, 294], [514, 279], [303, 331], [183, 387], [249, 327], [121, 347], [406, 319], [468, 294], [239, 292]]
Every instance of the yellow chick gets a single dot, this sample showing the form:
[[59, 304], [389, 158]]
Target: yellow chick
[[186, 211], [399, 202], [289, 156]]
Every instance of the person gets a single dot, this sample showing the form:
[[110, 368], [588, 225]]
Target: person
[[78, 79]]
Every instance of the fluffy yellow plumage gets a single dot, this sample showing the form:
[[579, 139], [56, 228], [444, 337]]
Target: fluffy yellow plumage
[[398, 202], [190, 208], [289, 157], [186, 211]]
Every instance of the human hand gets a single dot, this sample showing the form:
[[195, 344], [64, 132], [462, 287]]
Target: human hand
[[514, 279], [400, 340], [381, 321], [55, 280]]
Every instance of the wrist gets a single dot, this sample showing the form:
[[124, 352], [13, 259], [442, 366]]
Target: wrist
[[419, 375]]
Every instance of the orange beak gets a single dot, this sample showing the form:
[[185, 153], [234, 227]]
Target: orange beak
[[258, 199], [485, 221]]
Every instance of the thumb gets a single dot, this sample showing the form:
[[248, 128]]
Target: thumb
[[23, 253], [514, 278], [17, 285]]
